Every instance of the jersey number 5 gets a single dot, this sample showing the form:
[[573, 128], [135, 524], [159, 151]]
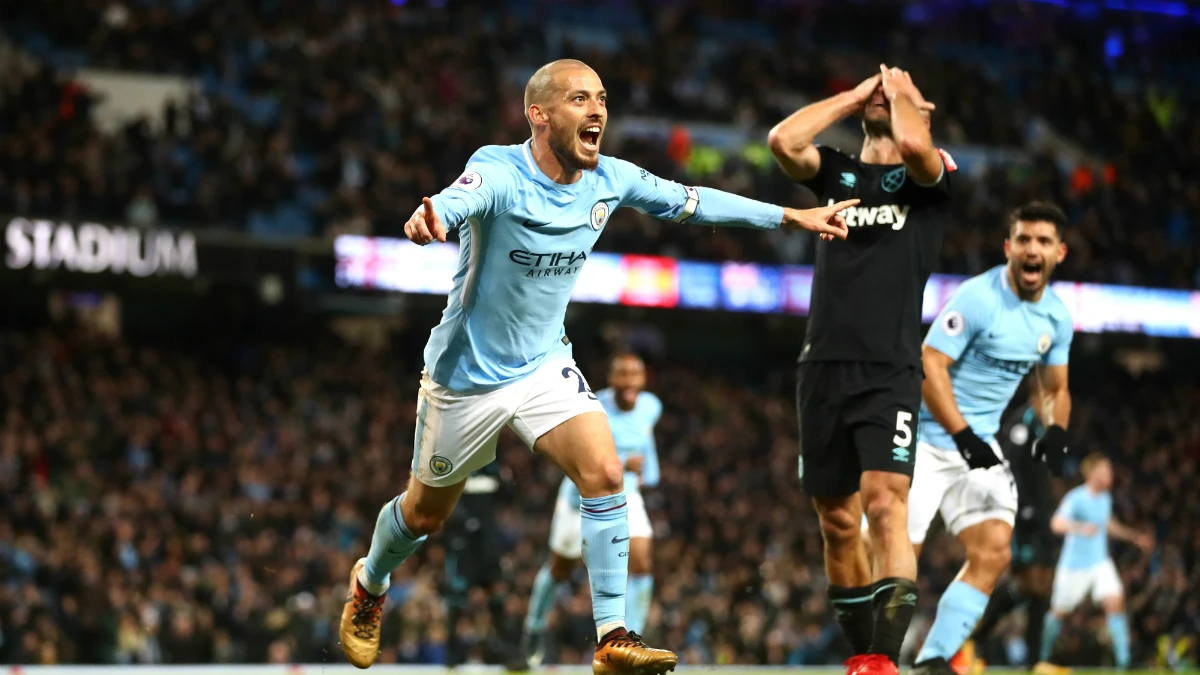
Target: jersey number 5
[[583, 388], [903, 435]]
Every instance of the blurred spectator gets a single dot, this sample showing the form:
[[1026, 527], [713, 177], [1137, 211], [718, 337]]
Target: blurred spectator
[[183, 506]]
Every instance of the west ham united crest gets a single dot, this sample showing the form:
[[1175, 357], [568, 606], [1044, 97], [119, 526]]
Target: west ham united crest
[[893, 180], [599, 215]]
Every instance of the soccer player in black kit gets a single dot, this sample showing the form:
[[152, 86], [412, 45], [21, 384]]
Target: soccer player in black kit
[[1034, 546], [859, 387]]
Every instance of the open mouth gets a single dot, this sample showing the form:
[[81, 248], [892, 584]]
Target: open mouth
[[1031, 272], [589, 137]]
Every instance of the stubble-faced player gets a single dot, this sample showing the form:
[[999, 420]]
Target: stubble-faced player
[[859, 386], [1034, 547], [528, 216], [995, 329], [632, 415]]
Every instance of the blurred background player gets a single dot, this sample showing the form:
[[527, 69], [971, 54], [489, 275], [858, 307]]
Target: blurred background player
[[1033, 544], [632, 415], [473, 550], [527, 217], [994, 329], [1085, 567], [859, 377]]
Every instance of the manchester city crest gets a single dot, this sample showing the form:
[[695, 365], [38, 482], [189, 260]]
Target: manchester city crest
[[1044, 342], [599, 215], [893, 180], [440, 466]]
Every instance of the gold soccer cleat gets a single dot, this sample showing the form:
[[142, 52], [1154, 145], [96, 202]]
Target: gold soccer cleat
[[626, 654], [362, 617]]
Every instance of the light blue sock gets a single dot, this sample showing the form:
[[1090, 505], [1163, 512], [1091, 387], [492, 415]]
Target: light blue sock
[[637, 607], [605, 529], [391, 544], [540, 600], [1118, 630], [958, 611], [1050, 635]]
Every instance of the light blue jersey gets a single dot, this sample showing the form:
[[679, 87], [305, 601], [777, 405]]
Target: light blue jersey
[[633, 434], [524, 239], [995, 338], [1084, 506]]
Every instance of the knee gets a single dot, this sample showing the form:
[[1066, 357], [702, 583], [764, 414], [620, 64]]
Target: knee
[[886, 509], [606, 478], [560, 568], [839, 528], [990, 560]]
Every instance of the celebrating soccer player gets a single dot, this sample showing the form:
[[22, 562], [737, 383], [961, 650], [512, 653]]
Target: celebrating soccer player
[[632, 414], [527, 217], [994, 329], [859, 386], [1084, 519]]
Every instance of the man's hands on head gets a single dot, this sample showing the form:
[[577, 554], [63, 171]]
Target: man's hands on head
[[898, 82], [826, 221], [975, 450], [424, 225]]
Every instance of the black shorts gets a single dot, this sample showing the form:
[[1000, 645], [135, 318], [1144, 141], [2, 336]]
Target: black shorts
[[855, 417], [1033, 547], [473, 548]]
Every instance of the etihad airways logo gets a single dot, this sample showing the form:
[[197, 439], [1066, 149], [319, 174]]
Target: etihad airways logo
[[863, 216]]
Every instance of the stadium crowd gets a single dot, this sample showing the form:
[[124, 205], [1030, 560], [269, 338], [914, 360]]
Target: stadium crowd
[[322, 118], [185, 505]]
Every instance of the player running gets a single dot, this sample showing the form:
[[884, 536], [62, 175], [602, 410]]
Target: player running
[[859, 385], [1033, 547], [994, 329], [527, 217], [1084, 520], [632, 415]]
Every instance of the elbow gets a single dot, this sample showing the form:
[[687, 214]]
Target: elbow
[[1058, 526], [777, 141]]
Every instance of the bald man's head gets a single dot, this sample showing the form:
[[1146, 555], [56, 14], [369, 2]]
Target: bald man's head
[[565, 107]]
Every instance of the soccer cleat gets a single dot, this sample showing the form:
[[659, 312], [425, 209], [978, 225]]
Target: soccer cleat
[[362, 617], [870, 664], [1047, 668], [624, 653], [935, 666], [963, 662]]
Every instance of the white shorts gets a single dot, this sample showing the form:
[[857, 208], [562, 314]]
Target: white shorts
[[943, 482], [1071, 586], [565, 537], [456, 433]]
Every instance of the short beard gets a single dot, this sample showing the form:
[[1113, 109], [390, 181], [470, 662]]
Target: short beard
[[878, 128], [562, 145]]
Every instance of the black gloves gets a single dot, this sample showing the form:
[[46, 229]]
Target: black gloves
[[1051, 448], [975, 450]]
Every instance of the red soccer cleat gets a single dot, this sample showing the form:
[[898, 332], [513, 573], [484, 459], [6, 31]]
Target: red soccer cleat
[[870, 664]]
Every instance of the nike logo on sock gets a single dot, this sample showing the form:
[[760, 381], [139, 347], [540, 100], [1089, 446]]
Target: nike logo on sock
[[617, 541]]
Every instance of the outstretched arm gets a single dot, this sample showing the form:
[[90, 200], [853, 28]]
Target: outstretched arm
[[669, 200], [480, 190], [791, 141], [1125, 533]]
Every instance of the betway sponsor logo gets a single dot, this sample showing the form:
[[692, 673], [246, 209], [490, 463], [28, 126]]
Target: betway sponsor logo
[[862, 216], [549, 264], [94, 248]]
